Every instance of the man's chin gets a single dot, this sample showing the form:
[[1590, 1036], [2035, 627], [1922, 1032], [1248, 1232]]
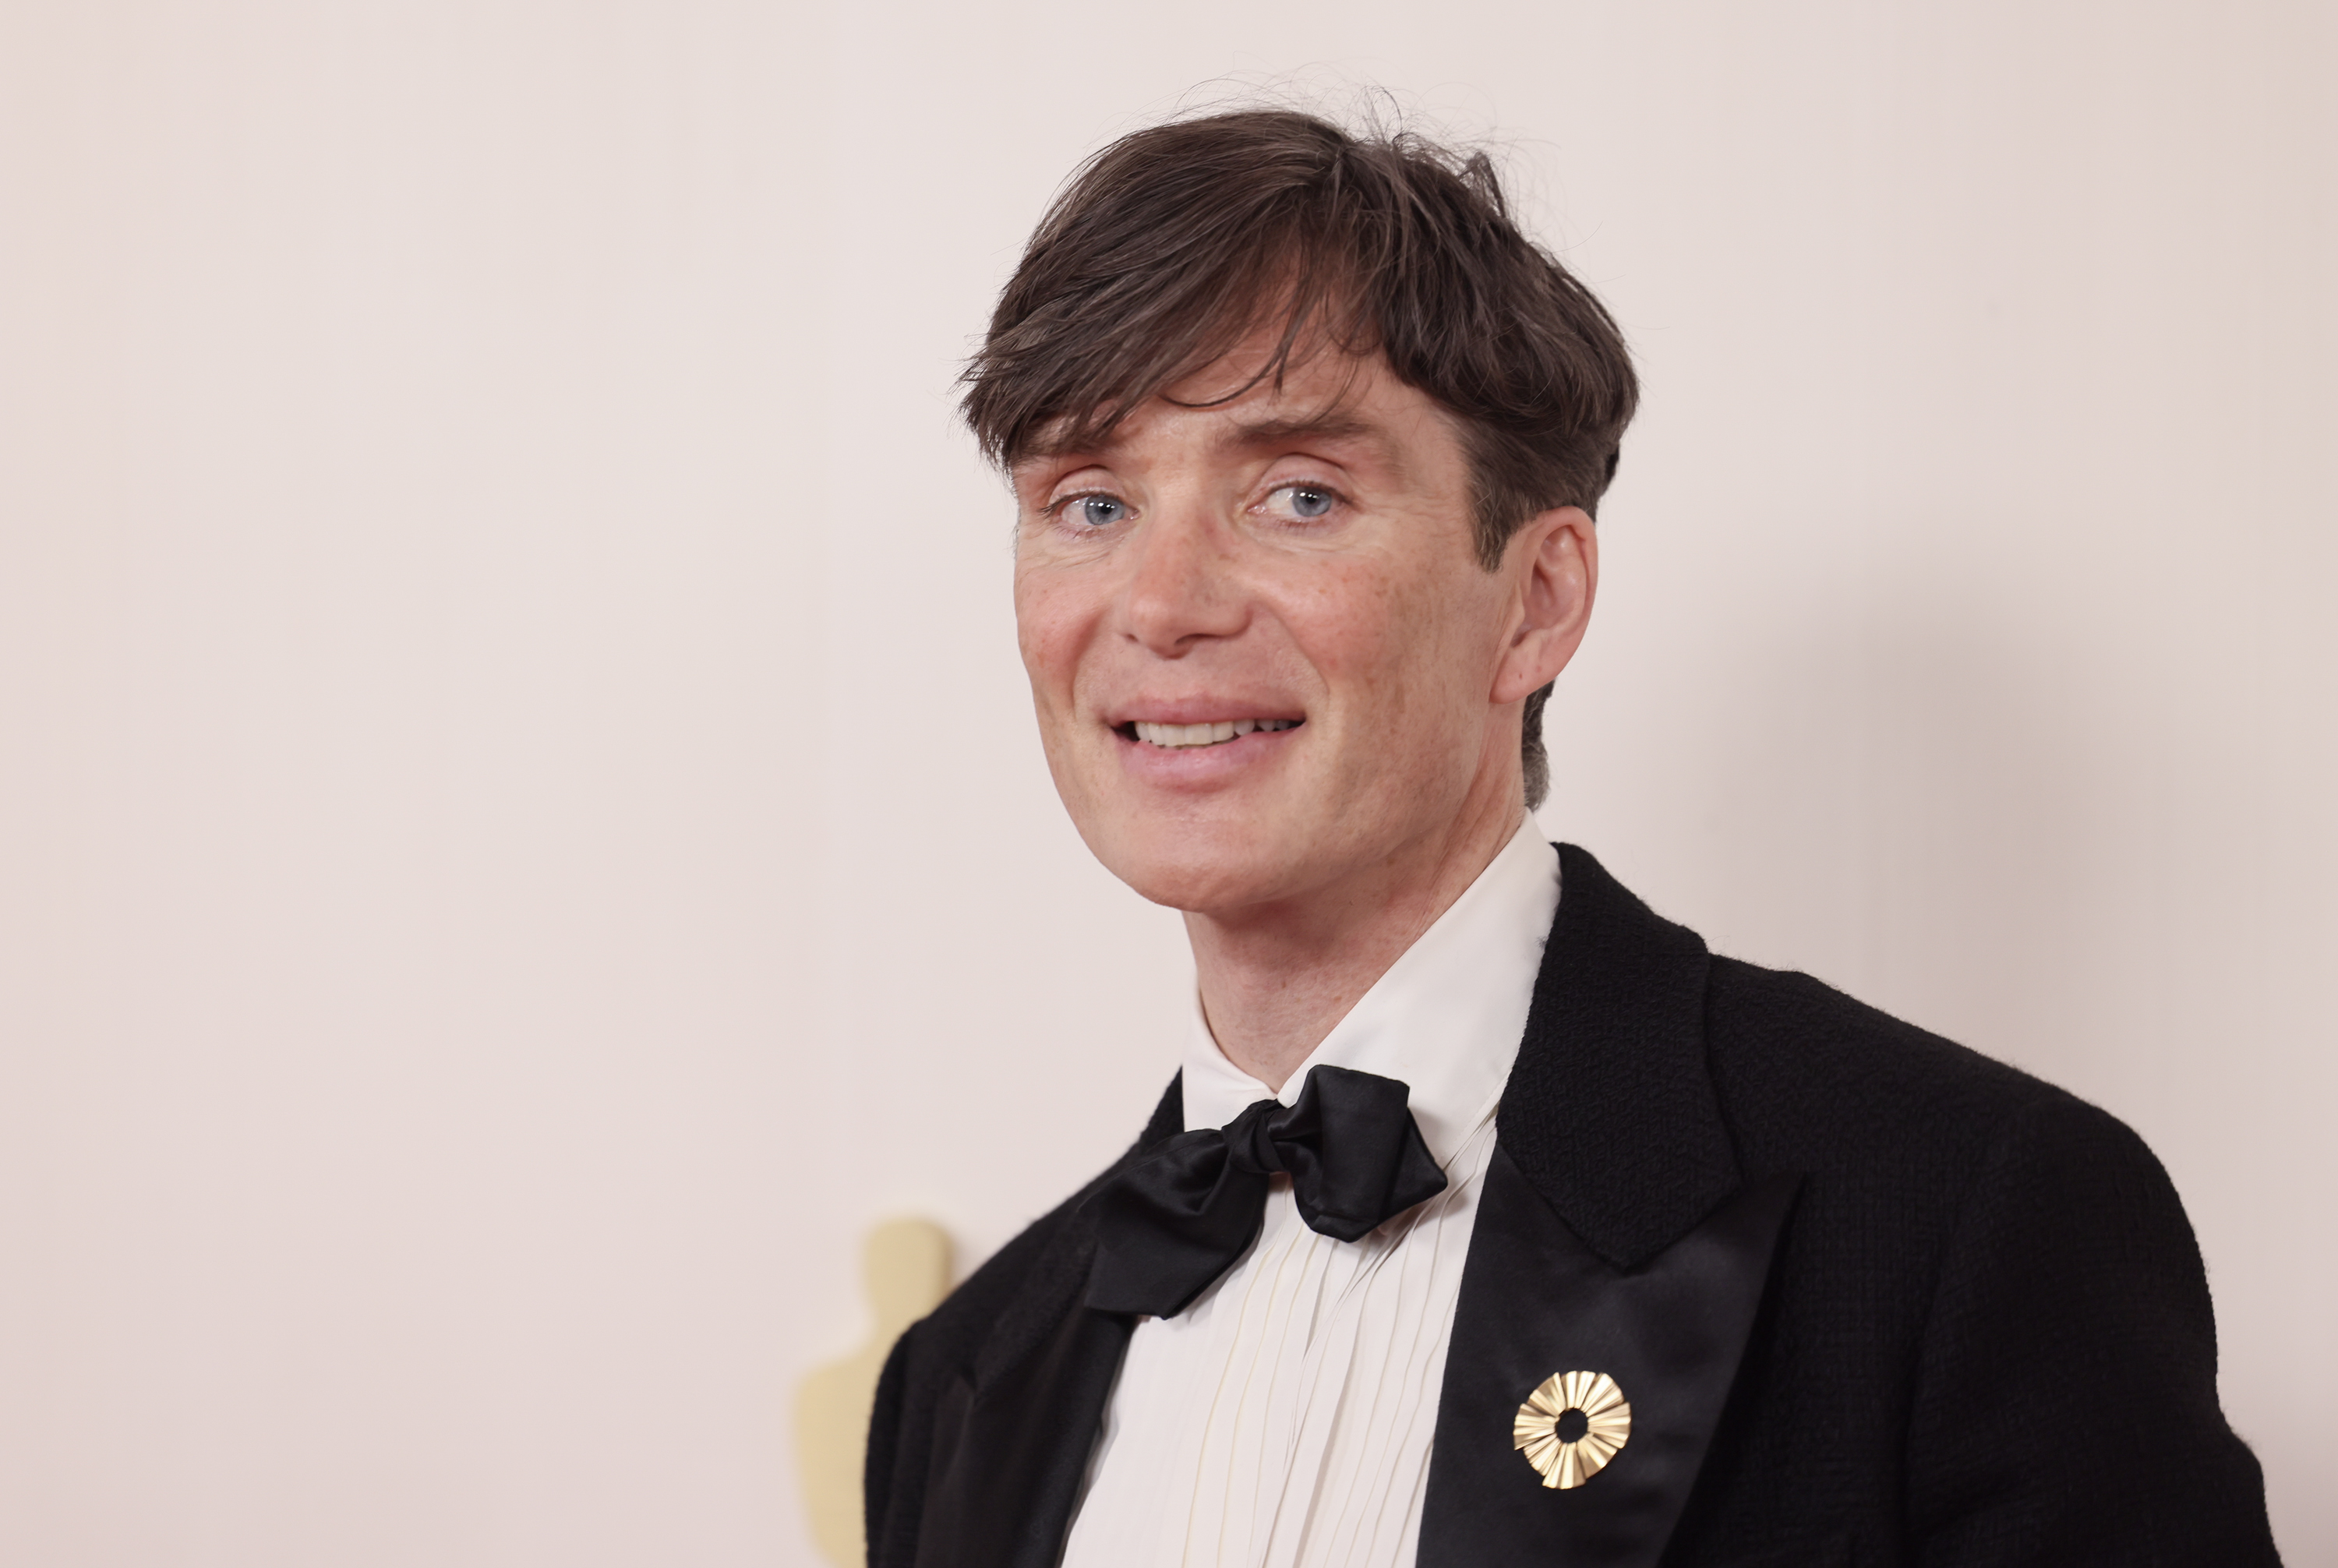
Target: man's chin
[[1204, 874]]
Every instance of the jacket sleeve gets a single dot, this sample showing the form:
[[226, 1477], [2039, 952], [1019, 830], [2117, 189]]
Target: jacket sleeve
[[2065, 1409], [885, 1421]]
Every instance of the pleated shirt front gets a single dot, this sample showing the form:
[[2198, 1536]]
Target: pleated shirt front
[[1284, 1419]]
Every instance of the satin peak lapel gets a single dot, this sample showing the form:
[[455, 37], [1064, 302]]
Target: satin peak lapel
[[1537, 1301]]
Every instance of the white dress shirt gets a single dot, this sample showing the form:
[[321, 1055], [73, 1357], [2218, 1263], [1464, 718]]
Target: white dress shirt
[[1283, 1420]]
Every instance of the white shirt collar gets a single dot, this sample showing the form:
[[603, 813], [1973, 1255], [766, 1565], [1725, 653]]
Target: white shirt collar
[[1445, 1018]]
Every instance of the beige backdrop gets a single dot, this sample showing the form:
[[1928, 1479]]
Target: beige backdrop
[[520, 835]]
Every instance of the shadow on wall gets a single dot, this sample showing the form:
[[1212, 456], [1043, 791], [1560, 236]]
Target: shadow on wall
[[906, 1272]]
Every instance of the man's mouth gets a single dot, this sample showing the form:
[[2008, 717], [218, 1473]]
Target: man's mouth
[[1216, 733]]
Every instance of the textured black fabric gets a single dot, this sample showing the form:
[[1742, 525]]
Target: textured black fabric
[[1986, 1340], [1171, 1222], [1611, 1110]]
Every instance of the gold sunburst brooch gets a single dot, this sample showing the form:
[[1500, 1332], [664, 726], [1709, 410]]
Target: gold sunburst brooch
[[1572, 1425]]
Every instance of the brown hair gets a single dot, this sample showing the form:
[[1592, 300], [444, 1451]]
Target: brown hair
[[1174, 243]]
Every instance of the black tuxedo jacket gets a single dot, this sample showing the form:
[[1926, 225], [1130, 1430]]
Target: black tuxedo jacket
[[1875, 1299]]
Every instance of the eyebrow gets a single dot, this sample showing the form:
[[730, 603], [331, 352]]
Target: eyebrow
[[1326, 427], [1259, 432], [1320, 428]]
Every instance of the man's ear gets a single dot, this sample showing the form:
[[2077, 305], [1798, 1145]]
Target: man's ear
[[1552, 564]]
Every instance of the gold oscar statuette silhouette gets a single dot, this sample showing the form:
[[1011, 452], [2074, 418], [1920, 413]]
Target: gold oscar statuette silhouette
[[905, 1265]]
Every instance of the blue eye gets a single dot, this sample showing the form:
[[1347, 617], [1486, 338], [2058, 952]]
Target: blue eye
[[1096, 510], [1302, 503]]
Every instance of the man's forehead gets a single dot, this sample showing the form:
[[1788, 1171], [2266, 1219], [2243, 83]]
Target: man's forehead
[[1352, 412]]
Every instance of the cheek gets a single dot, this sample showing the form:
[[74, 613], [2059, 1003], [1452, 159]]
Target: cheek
[[1049, 624], [1394, 636], [1410, 656], [1350, 622]]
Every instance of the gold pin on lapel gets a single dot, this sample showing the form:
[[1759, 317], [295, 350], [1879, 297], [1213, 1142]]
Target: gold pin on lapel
[[1572, 1425]]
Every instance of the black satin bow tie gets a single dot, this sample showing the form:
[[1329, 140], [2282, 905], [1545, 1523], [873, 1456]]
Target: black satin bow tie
[[1177, 1218]]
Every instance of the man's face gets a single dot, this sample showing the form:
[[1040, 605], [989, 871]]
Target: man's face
[[1265, 655]]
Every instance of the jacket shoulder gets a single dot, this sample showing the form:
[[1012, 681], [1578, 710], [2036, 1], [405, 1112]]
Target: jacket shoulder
[[1965, 1233], [1812, 1079], [1004, 1308], [934, 1352], [967, 1318]]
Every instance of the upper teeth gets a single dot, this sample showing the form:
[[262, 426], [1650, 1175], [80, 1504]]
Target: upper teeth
[[1206, 734]]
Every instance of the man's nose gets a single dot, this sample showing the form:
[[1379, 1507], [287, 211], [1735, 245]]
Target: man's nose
[[1182, 587]]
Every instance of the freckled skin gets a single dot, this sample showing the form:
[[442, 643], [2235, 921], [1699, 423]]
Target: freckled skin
[[1176, 573]]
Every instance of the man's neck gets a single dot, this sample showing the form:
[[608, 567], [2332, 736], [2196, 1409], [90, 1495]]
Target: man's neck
[[1275, 981]]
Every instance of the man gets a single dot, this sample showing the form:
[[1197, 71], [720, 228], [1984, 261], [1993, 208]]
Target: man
[[1491, 1219]]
